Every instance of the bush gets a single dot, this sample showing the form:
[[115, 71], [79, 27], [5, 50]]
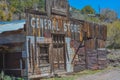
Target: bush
[[2, 15], [20, 79], [113, 34], [9, 16], [6, 77]]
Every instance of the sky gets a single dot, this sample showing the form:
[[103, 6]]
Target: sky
[[97, 4]]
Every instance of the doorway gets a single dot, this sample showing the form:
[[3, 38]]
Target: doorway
[[58, 52]]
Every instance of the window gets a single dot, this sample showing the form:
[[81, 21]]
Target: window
[[58, 38], [43, 54]]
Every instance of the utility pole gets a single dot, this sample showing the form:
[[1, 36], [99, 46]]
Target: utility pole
[[99, 10]]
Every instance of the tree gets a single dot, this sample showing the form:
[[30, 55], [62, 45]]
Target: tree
[[9, 16], [2, 16], [113, 34], [18, 6], [5, 11], [9, 8], [108, 15], [88, 10]]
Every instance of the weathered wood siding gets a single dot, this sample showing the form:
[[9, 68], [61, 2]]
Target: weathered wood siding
[[12, 37]]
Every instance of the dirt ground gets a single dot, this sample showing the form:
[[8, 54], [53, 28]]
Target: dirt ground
[[109, 74]]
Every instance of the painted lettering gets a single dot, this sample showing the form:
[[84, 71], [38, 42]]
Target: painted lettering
[[53, 24], [49, 24], [32, 22], [45, 23], [65, 27]]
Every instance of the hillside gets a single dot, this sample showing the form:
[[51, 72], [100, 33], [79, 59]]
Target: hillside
[[14, 9]]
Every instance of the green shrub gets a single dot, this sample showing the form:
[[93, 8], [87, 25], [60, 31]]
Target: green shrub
[[9, 16], [2, 16], [7, 78], [1, 75], [20, 79]]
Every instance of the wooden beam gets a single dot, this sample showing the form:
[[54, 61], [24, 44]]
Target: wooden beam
[[48, 7], [80, 45]]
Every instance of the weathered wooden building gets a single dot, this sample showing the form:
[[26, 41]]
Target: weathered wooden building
[[12, 45], [53, 43]]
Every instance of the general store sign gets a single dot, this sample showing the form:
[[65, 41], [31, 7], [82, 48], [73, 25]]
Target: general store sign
[[55, 24]]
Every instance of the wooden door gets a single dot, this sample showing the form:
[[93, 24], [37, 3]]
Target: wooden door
[[58, 57], [58, 52]]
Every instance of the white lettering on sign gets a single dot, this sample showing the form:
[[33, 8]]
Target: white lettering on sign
[[72, 28], [57, 26], [78, 28], [45, 23], [65, 27], [49, 24], [75, 28], [53, 25], [32, 22], [68, 26]]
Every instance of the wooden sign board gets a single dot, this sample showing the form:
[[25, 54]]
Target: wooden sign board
[[42, 26], [60, 7]]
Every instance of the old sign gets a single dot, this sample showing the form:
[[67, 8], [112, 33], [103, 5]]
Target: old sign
[[43, 26], [52, 24]]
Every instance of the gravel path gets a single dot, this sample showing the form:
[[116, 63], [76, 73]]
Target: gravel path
[[112, 74]]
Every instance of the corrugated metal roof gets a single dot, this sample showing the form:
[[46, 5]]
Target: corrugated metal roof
[[13, 25]]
